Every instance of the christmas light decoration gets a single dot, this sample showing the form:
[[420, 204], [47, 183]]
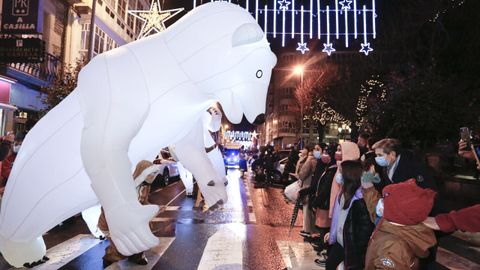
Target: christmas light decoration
[[371, 89], [302, 46], [153, 19], [324, 15]]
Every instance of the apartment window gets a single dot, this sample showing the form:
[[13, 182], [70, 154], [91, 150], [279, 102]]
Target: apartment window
[[283, 108], [122, 8], [130, 19], [99, 41], [85, 36]]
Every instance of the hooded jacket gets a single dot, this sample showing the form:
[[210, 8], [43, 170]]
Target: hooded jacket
[[395, 246], [350, 151], [398, 247]]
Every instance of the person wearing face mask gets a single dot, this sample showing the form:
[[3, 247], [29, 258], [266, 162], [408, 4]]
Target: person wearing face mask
[[305, 174], [321, 198], [399, 165], [7, 163], [345, 151], [302, 157]]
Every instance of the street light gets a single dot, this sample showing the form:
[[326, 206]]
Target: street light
[[299, 70]]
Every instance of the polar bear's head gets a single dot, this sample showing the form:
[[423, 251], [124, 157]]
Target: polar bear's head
[[225, 54]]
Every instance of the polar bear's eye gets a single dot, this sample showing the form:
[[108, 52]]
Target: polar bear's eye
[[259, 73]]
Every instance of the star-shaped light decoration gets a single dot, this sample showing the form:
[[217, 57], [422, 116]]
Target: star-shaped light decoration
[[302, 47], [254, 134], [366, 48], [328, 48], [284, 4], [153, 19], [346, 4]]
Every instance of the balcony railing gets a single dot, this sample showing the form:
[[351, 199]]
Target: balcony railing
[[47, 71]]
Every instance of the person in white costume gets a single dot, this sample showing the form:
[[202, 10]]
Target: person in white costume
[[82, 151]]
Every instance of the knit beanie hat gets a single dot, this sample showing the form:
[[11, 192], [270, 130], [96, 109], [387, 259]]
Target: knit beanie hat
[[406, 203]]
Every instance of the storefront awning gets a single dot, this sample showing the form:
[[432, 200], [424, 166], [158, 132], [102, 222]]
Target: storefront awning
[[7, 106]]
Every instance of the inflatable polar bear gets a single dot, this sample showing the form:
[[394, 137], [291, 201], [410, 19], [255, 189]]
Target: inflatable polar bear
[[130, 102]]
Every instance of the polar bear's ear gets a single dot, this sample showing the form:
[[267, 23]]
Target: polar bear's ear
[[246, 34]]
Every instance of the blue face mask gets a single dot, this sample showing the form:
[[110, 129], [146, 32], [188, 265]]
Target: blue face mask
[[317, 154], [339, 179], [379, 208], [381, 161]]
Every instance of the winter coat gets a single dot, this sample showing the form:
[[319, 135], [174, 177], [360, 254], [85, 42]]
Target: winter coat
[[395, 246], [398, 247], [409, 166], [356, 232], [306, 171], [321, 198], [350, 151]]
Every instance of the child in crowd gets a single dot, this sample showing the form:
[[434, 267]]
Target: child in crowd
[[400, 239]]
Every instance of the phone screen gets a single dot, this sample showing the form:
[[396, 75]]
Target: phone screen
[[465, 134], [477, 150]]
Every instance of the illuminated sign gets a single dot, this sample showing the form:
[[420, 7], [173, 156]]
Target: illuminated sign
[[22, 17], [240, 135]]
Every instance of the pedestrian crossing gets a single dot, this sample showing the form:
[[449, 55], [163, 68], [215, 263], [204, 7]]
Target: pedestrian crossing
[[223, 240]]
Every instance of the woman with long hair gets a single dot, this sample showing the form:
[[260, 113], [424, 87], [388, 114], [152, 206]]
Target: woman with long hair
[[351, 226]]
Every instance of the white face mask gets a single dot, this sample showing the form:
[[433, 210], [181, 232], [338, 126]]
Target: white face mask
[[16, 148], [379, 208]]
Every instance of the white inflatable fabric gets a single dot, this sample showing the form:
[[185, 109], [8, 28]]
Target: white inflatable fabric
[[91, 216], [212, 121], [130, 102]]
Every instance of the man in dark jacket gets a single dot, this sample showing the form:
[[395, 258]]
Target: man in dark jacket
[[399, 166]]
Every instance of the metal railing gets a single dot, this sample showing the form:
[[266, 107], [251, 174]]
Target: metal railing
[[47, 71]]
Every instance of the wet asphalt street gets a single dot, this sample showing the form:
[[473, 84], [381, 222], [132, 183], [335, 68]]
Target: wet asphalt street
[[250, 232]]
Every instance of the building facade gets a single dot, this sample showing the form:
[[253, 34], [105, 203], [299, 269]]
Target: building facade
[[283, 122], [65, 31]]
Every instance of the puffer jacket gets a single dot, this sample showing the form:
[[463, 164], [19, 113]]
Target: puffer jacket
[[398, 247]]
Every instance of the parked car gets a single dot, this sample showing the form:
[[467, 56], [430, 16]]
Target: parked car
[[168, 167]]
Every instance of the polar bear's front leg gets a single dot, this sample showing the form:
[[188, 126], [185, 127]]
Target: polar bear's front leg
[[190, 150], [113, 114]]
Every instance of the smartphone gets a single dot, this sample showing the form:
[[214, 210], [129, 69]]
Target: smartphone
[[465, 135]]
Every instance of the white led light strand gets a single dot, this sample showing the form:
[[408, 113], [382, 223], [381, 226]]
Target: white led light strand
[[365, 45], [316, 10], [311, 19], [346, 27], [318, 19], [283, 26], [256, 10], [355, 17], [373, 20], [293, 18], [274, 18], [336, 19], [265, 27]]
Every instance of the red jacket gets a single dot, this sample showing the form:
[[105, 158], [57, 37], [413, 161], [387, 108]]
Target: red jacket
[[467, 219]]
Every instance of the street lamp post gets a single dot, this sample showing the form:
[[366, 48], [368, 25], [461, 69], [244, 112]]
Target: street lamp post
[[299, 70]]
